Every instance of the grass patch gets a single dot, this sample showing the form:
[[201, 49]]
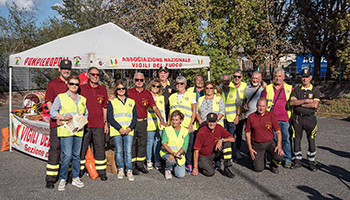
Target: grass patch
[[337, 108]]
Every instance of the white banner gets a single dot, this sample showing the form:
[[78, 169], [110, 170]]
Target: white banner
[[31, 137]]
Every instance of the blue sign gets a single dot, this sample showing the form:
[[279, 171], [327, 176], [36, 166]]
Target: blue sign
[[309, 61]]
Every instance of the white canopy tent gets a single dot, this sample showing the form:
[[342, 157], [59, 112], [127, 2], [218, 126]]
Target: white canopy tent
[[106, 47]]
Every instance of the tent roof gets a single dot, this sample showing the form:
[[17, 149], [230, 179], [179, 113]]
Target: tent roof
[[105, 46]]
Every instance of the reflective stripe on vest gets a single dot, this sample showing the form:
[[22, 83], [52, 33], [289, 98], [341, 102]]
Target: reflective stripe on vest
[[175, 142], [122, 114], [184, 106], [230, 104], [152, 119], [70, 108], [270, 94], [216, 107]]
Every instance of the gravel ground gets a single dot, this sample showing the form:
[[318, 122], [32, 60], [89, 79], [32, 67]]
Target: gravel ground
[[23, 176]]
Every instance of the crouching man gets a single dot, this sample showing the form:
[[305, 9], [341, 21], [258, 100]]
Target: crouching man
[[211, 143], [259, 137]]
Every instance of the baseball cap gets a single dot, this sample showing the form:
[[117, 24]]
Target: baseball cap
[[306, 72], [212, 117], [66, 64], [163, 69]]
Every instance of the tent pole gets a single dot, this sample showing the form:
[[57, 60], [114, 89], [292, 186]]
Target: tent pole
[[10, 105], [208, 70]]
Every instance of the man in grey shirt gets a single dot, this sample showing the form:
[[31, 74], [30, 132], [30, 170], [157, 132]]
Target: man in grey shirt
[[254, 88]]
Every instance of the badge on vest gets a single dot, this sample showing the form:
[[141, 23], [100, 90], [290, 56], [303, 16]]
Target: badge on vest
[[186, 98], [217, 102], [310, 96], [231, 96], [130, 104], [288, 91], [161, 102], [183, 137], [241, 90]]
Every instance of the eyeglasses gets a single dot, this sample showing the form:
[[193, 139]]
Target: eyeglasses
[[93, 74], [139, 79], [76, 84], [120, 89], [156, 86], [179, 83], [237, 76], [209, 88]]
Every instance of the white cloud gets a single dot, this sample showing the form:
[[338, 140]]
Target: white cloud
[[28, 5], [58, 4]]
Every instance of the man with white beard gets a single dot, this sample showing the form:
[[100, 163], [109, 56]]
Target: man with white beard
[[252, 93]]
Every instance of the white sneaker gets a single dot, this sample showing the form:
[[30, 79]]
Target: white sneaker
[[62, 185], [129, 175], [120, 174], [149, 165], [168, 175], [77, 182], [238, 155]]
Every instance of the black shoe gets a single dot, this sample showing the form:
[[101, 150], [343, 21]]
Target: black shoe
[[135, 172], [228, 172], [103, 177], [296, 165], [143, 170], [50, 185], [312, 167], [274, 170]]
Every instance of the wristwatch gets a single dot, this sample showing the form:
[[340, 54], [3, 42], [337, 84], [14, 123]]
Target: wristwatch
[[222, 139]]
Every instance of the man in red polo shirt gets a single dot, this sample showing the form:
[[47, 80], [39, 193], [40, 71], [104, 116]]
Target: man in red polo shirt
[[143, 99], [211, 143], [259, 136], [55, 87], [96, 102]]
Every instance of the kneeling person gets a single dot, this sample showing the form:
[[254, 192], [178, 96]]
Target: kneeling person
[[212, 142], [175, 140], [259, 137]]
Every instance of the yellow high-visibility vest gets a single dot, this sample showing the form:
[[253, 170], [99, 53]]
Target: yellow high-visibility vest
[[70, 108], [270, 94], [230, 104], [122, 114], [184, 105], [241, 89], [216, 107], [175, 142], [152, 119]]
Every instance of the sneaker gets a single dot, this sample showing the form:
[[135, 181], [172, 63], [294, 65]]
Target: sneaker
[[135, 172], [238, 155], [103, 177], [274, 170], [143, 170], [158, 165], [120, 174], [149, 165], [228, 172], [129, 175], [296, 164], [50, 185], [287, 165], [168, 175], [312, 167], [189, 168], [62, 185], [77, 182]]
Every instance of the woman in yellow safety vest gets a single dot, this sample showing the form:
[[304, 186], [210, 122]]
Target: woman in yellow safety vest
[[185, 102], [64, 107], [175, 141], [154, 131], [210, 103], [122, 116]]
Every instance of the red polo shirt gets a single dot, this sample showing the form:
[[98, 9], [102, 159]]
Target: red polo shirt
[[206, 139], [261, 126], [96, 100], [142, 101], [54, 88]]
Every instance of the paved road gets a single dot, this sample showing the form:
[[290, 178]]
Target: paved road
[[22, 177]]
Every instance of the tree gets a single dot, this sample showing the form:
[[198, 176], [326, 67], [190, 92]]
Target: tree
[[344, 53]]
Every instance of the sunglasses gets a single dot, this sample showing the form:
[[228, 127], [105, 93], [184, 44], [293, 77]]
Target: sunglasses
[[209, 88], [237, 76], [120, 89], [76, 84], [179, 83], [156, 86], [93, 74], [139, 79]]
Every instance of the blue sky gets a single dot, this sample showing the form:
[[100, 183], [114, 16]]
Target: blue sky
[[40, 8]]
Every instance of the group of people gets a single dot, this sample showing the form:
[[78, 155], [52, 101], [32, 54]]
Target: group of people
[[171, 126]]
